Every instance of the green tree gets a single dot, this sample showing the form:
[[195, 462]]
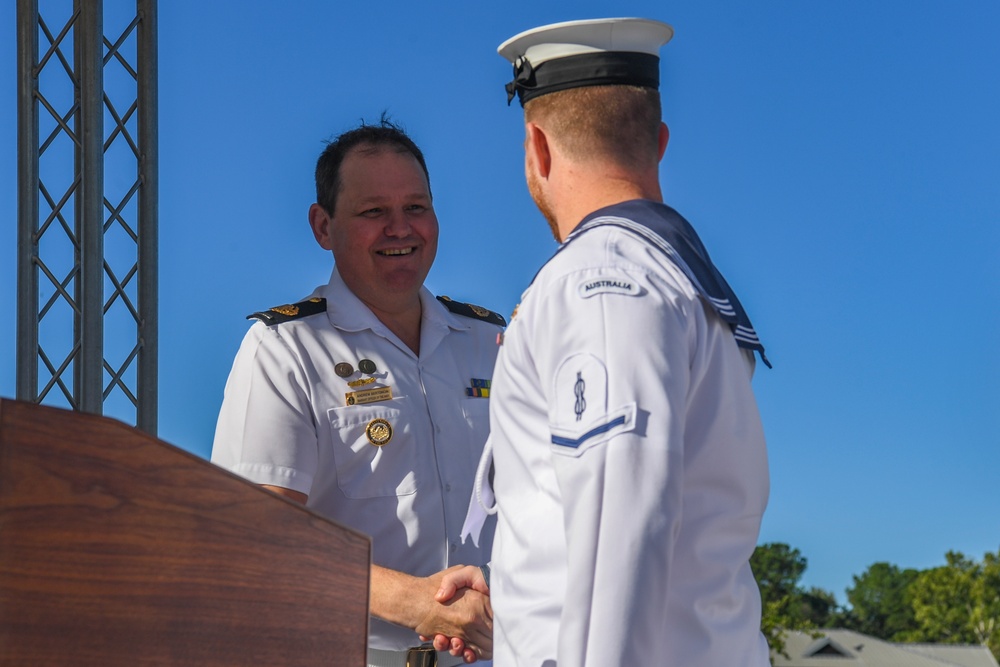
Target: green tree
[[941, 601], [817, 608], [956, 603], [881, 604], [778, 568], [985, 614], [959, 602]]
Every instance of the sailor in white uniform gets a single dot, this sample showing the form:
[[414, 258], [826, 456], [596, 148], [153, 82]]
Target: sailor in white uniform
[[368, 401], [628, 458]]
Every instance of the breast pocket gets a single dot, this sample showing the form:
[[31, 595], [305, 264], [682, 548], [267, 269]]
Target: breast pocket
[[374, 449]]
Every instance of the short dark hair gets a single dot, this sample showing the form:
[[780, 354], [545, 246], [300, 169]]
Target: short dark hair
[[617, 123], [384, 135]]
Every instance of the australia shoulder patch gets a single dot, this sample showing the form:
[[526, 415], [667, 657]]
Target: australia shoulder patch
[[609, 283], [475, 312], [290, 311]]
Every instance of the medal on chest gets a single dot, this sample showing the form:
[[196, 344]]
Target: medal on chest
[[369, 375]]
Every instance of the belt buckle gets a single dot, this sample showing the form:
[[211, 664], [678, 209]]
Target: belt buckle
[[421, 656]]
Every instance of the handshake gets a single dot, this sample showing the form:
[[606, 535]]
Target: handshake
[[459, 618]]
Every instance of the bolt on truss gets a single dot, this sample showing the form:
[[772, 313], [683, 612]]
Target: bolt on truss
[[87, 208]]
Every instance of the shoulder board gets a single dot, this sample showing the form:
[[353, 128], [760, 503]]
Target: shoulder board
[[290, 311], [475, 312]]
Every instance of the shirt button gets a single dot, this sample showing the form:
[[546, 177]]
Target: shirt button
[[437, 428], [447, 487], [454, 547]]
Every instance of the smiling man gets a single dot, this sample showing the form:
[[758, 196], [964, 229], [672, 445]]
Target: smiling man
[[368, 400]]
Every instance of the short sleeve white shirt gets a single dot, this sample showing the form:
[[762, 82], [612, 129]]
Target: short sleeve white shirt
[[286, 421]]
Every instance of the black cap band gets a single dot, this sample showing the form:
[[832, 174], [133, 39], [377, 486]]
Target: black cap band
[[616, 68]]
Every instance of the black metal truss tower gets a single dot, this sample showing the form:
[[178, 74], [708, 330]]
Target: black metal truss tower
[[87, 208]]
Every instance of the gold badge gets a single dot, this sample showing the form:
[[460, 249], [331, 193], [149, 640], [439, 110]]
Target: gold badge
[[479, 310], [286, 310], [379, 432], [360, 383]]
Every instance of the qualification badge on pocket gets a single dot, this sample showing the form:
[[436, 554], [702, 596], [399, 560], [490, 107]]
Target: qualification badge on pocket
[[379, 432]]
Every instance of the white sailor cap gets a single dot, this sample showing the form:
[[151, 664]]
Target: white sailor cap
[[596, 52]]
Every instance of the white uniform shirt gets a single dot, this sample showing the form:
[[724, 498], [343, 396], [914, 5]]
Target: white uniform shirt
[[631, 470], [285, 421]]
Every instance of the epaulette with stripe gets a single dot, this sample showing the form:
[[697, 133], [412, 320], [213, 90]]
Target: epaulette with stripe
[[475, 312], [290, 311]]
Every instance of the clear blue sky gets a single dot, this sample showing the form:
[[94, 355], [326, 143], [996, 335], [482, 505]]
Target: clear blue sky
[[841, 161]]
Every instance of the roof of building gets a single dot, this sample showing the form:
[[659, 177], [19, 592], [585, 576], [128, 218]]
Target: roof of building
[[846, 648]]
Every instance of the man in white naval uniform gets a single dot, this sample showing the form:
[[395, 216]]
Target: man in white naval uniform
[[368, 400], [630, 470]]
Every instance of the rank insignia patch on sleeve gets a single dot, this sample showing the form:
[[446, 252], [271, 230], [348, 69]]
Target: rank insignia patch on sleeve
[[581, 391]]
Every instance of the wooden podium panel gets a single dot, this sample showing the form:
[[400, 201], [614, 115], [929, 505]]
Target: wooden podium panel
[[119, 549]]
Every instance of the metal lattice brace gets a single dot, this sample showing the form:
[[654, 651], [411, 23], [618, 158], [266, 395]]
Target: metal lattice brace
[[87, 210]]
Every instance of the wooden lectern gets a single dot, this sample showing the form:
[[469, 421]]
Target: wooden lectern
[[119, 549]]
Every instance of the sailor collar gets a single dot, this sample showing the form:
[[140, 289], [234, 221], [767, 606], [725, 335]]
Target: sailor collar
[[665, 229]]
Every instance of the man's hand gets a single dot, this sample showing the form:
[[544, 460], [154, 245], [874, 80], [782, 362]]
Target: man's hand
[[459, 581], [458, 577], [465, 616], [459, 617]]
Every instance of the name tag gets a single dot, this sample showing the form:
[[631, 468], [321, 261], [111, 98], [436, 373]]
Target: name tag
[[369, 396]]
